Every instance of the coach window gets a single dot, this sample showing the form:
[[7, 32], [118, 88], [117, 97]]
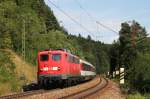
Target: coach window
[[56, 57], [71, 59], [44, 57], [68, 58], [76, 60], [84, 66]]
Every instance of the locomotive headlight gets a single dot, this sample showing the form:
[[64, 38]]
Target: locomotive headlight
[[55, 68], [45, 68]]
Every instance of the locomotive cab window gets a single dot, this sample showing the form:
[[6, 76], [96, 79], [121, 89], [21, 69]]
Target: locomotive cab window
[[44, 57], [56, 57]]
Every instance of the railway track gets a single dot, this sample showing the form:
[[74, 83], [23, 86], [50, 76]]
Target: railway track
[[81, 94], [90, 91], [26, 94], [22, 94]]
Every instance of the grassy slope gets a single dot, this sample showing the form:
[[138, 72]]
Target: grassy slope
[[138, 96], [14, 72]]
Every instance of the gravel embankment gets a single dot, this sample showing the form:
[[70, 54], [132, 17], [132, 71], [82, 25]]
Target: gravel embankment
[[112, 91]]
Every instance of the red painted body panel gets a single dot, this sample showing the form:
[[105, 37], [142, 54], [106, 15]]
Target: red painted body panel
[[65, 67]]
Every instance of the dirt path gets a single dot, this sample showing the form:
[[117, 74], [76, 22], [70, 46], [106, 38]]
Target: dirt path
[[112, 91]]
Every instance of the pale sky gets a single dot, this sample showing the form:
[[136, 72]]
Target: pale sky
[[111, 13]]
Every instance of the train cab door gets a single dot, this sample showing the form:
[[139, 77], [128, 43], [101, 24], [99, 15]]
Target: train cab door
[[44, 62]]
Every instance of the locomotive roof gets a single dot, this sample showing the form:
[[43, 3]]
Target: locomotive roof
[[85, 62], [56, 51]]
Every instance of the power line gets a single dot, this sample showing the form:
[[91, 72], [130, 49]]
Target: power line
[[99, 23], [88, 14], [70, 17], [84, 10], [110, 29]]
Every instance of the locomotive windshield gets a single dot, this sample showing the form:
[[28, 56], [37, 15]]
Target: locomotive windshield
[[56, 57], [44, 57]]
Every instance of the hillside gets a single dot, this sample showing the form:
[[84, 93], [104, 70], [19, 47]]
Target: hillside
[[22, 68], [14, 72]]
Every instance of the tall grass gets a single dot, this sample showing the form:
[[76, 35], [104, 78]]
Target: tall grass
[[13, 75], [138, 96]]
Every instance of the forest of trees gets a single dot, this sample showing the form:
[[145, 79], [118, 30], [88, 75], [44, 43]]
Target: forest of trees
[[132, 51]]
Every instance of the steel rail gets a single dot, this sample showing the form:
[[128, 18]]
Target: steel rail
[[26, 94], [22, 94], [87, 92]]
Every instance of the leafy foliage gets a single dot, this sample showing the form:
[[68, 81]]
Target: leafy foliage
[[7, 74], [132, 52], [141, 79]]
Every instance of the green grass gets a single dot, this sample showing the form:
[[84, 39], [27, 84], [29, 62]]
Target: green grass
[[9, 82], [138, 96], [13, 75]]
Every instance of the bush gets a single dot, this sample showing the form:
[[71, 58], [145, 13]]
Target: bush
[[138, 96], [139, 77]]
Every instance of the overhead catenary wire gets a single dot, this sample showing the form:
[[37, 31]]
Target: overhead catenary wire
[[91, 16], [88, 14], [66, 14], [110, 29]]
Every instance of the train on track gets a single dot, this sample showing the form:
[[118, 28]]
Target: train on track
[[60, 67]]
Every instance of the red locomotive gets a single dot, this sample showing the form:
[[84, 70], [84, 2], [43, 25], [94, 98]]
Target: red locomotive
[[62, 67]]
